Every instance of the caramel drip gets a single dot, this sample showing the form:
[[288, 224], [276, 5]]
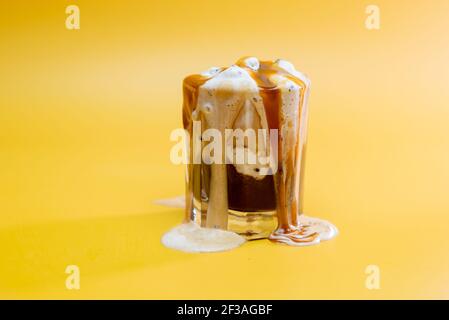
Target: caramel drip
[[289, 184], [190, 99], [272, 104]]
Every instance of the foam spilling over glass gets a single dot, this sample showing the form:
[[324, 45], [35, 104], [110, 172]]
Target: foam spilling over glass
[[262, 107]]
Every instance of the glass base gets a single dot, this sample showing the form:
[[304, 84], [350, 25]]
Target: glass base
[[252, 225]]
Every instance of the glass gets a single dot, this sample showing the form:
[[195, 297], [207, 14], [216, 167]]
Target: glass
[[246, 198]]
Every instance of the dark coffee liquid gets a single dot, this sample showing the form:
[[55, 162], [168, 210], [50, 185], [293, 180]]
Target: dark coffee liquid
[[248, 194]]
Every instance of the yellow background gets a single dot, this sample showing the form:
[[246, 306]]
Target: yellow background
[[85, 117]]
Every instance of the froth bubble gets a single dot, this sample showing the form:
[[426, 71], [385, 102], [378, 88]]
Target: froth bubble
[[286, 65], [210, 72], [252, 63]]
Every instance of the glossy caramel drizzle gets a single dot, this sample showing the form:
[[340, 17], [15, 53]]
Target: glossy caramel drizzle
[[190, 88]]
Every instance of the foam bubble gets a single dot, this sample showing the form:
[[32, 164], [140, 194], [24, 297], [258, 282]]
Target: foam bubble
[[286, 65], [252, 63], [189, 237], [290, 68], [210, 72]]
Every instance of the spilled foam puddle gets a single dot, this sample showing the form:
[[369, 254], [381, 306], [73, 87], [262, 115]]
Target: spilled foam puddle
[[189, 237]]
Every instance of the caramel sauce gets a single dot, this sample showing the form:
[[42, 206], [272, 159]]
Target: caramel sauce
[[190, 88], [287, 183], [190, 99]]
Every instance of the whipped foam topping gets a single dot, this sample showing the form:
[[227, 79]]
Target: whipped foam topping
[[249, 76], [258, 70]]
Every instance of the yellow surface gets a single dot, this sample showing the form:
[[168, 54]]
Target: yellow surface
[[85, 117]]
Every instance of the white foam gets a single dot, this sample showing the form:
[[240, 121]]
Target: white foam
[[290, 68], [189, 237], [233, 78], [286, 65], [210, 72]]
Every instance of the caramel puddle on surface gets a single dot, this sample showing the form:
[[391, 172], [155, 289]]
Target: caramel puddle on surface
[[311, 231]]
